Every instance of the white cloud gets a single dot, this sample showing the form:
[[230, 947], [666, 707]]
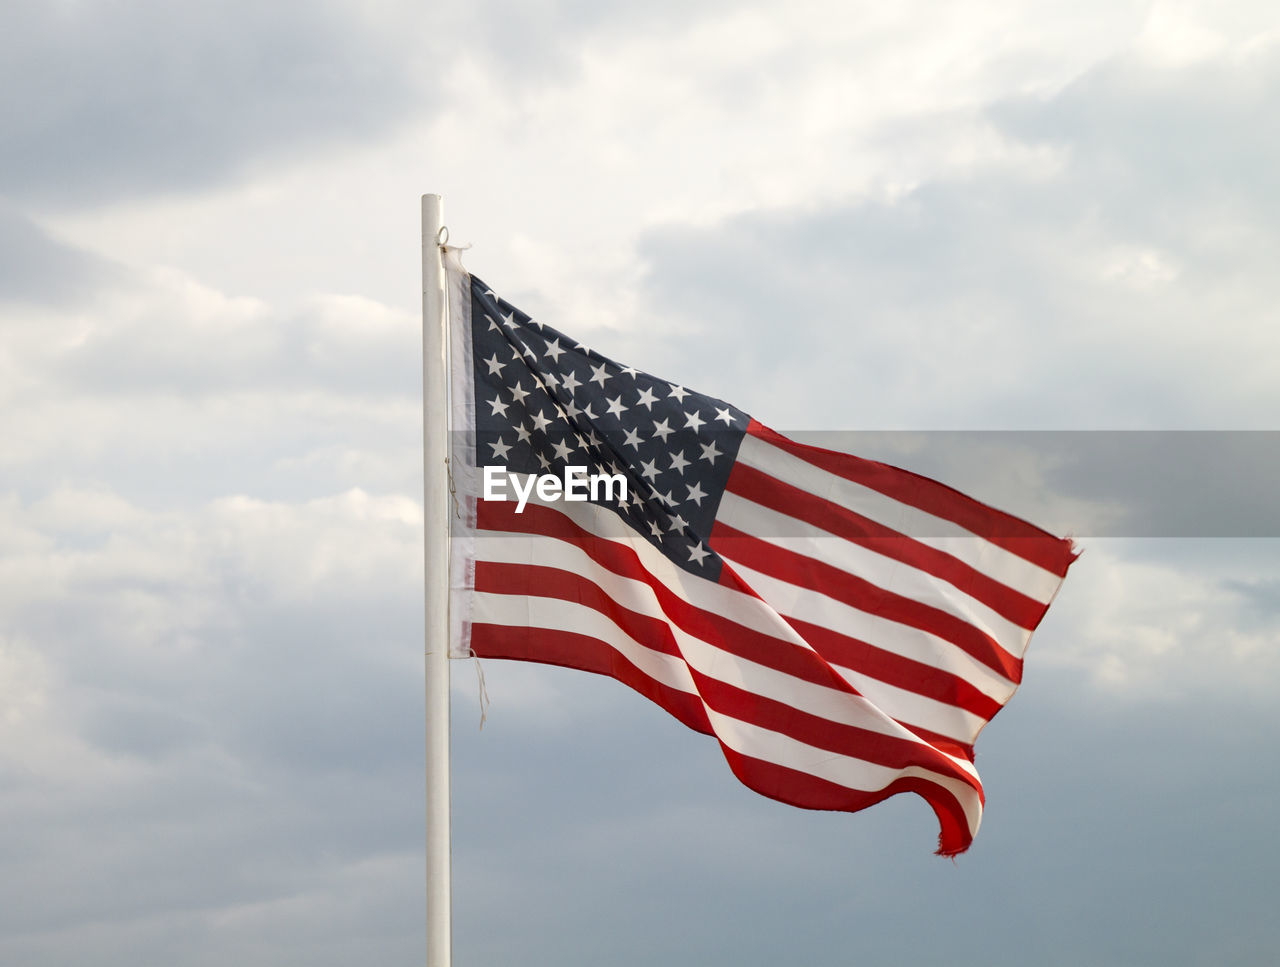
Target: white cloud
[[1146, 627], [104, 101], [686, 122], [985, 214], [184, 686]]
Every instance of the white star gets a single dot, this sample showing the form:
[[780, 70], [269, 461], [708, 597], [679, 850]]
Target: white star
[[662, 430], [724, 415], [632, 439], [549, 379], [598, 375], [679, 393], [678, 462], [695, 421], [540, 422], [571, 408], [570, 382], [678, 523], [544, 460], [522, 434], [665, 497], [495, 367], [562, 450], [509, 320], [588, 414], [500, 449], [554, 350], [696, 493], [630, 371], [647, 399], [697, 552], [518, 393], [709, 452], [648, 469], [498, 406], [616, 407], [655, 528], [492, 325]]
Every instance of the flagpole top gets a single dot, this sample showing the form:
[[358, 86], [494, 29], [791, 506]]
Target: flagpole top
[[432, 215], [434, 233]]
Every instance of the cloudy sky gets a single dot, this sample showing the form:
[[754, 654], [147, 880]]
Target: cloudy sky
[[841, 216]]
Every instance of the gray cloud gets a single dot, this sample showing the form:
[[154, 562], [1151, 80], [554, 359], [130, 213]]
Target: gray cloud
[[1261, 596], [159, 332], [212, 707], [115, 394], [343, 346], [36, 268], [1097, 483], [103, 101], [1156, 143], [183, 751], [1113, 834], [1131, 287]]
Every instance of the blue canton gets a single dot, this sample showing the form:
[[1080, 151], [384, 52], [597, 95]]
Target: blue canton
[[545, 402]]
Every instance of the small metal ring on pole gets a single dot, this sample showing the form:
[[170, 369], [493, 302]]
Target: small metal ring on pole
[[442, 236]]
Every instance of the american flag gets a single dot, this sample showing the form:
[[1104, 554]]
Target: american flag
[[843, 628]]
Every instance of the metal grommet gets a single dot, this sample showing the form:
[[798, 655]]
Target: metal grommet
[[442, 236]]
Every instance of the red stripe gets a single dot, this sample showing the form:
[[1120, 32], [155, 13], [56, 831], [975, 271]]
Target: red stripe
[[589, 655], [769, 779], [943, 743], [556, 583], [801, 789], [892, 752], [913, 676], [885, 750], [835, 519], [776, 653], [1013, 534], [807, 572], [531, 580]]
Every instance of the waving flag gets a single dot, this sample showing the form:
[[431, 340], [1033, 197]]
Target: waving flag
[[843, 628]]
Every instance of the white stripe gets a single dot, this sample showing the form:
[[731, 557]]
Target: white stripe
[[704, 657], [816, 608], [462, 437], [877, 569], [533, 612], [709, 659], [783, 750], [994, 561], [700, 592], [556, 615], [915, 710]]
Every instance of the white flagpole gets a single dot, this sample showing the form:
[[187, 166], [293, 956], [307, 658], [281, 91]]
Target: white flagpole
[[435, 450]]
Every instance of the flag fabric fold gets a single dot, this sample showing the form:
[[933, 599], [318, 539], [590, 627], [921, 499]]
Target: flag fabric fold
[[843, 628]]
